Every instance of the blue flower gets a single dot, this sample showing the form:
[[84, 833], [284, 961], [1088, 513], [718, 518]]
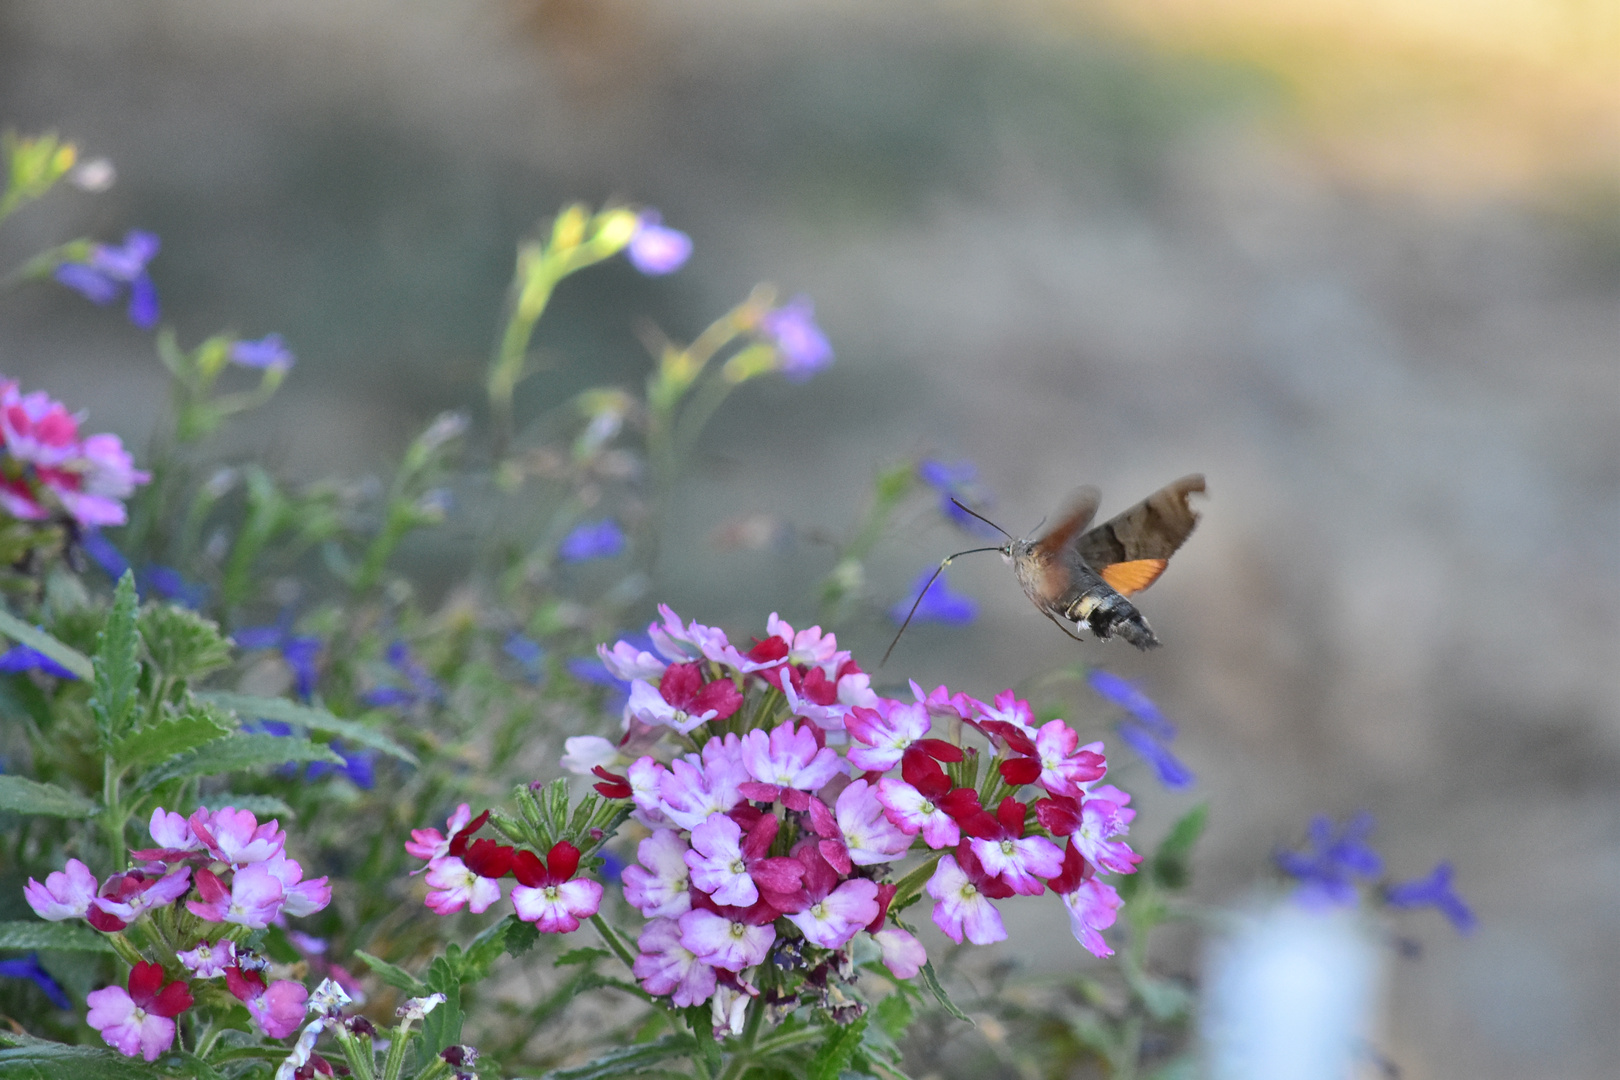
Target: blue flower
[[21, 658], [528, 653], [1327, 872], [300, 651], [360, 767], [656, 249], [588, 669], [1172, 773], [170, 584], [1436, 891], [103, 553], [107, 270], [1122, 692], [939, 604], [423, 687], [28, 967], [269, 351], [592, 540], [801, 348], [958, 480]]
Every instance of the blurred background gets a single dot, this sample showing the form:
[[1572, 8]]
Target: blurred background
[[1359, 263]]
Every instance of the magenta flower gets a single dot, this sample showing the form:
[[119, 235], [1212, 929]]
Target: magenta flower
[[1092, 826], [452, 886], [655, 249], [172, 832], [1065, 764], [886, 731], [277, 1009], [834, 914], [694, 788], [253, 900], [140, 1020], [810, 646], [903, 954], [125, 897], [801, 348], [912, 812], [37, 428], [660, 886], [235, 836], [789, 757], [868, 835], [301, 897], [665, 966], [209, 961], [66, 894], [683, 700], [737, 872], [431, 844], [963, 896], [1022, 862], [1092, 909], [94, 484], [1008, 709], [727, 939], [546, 897]]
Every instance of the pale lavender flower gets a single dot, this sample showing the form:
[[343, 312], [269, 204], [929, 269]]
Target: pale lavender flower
[[269, 351], [789, 758], [717, 863], [868, 835], [655, 249], [1092, 909], [665, 966], [209, 961], [801, 348], [66, 894], [962, 909], [660, 886], [903, 954], [723, 942]]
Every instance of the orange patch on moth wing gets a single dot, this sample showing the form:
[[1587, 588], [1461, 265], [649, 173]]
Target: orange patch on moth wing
[[1127, 578]]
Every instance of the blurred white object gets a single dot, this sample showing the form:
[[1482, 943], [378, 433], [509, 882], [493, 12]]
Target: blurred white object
[[1289, 994], [95, 175]]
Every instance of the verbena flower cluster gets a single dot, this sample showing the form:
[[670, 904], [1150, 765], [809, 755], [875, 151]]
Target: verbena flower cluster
[[228, 871], [48, 466], [777, 830]]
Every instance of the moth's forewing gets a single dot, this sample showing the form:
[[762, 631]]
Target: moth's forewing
[[1082, 508], [1150, 531]]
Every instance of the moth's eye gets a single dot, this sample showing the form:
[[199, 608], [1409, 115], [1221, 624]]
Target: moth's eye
[[1006, 557]]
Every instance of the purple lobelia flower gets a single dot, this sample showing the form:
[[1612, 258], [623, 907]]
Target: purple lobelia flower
[[1434, 891], [22, 658], [957, 480], [938, 604], [1126, 695], [269, 351], [109, 269], [1327, 872], [801, 348], [655, 249], [592, 540], [28, 967], [1169, 768]]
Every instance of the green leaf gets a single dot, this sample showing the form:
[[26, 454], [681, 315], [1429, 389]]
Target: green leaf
[[262, 806], [394, 976], [834, 1055], [893, 1015], [248, 707], [442, 1027], [237, 753], [171, 736], [1172, 863], [484, 950], [117, 668], [26, 1058], [627, 1059], [19, 795], [182, 643], [38, 640], [930, 979], [588, 955], [520, 938], [65, 936]]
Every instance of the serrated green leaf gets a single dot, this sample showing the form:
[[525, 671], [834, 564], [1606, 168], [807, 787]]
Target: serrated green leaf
[[38, 640], [520, 938], [238, 753], [893, 1015], [249, 707], [627, 1060], [26, 1058], [66, 936], [442, 1027], [117, 665], [834, 1055], [262, 806], [930, 979], [1172, 863], [182, 643], [484, 950], [393, 975], [588, 955], [163, 740], [19, 795]]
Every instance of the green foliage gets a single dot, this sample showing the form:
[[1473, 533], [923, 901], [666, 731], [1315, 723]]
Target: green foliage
[[38, 640], [20, 795], [25, 1058], [305, 719], [1172, 862], [117, 668], [62, 936], [236, 753], [182, 644], [835, 1054], [169, 737]]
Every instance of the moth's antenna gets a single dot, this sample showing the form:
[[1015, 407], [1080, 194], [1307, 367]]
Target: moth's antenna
[[932, 578], [988, 522]]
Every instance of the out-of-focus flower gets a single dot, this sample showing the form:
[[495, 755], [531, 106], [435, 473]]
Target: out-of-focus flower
[[94, 176], [655, 248], [88, 478], [108, 270], [1092, 909], [801, 348], [22, 658], [104, 553], [957, 480], [1170, 770], [1434, 891], [938, 604], [170, 584], [141, 1019], [527, 653], [592, 540], [28, 967], [1124, 693], [269, 351], [423, 688], [300, 652], [1327, 873]]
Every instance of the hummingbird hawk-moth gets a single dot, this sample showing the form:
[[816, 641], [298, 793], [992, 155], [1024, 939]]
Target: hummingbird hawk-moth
[[1084, 579]]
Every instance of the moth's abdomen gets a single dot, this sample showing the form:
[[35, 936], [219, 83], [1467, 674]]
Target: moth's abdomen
[[1107, 614]]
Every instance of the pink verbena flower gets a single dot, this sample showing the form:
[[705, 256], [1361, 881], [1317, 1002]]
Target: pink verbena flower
[[1022, 862], [209, 961], [97, 481], [665, 966], [914, 811], [1008, 709], [646, 778], [583, 754], [66, 894], [964, 891], [886, 730], [625, 661], [141, 1019], [868, 835], [1064, 764], [810, 646], [730, 938], [546, 897], [1091, 826], [300, 897], [736, 872], [660, 886], [125, 897], [277, 1010], [430, 843], [836, 911], [788, 758], [253, 900], [695, 787], [235, 836], [172, 834], [1092, 909], [683, 700], [452, 886]]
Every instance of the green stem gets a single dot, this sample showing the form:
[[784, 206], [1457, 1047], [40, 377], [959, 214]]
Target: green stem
[[614, 941]]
